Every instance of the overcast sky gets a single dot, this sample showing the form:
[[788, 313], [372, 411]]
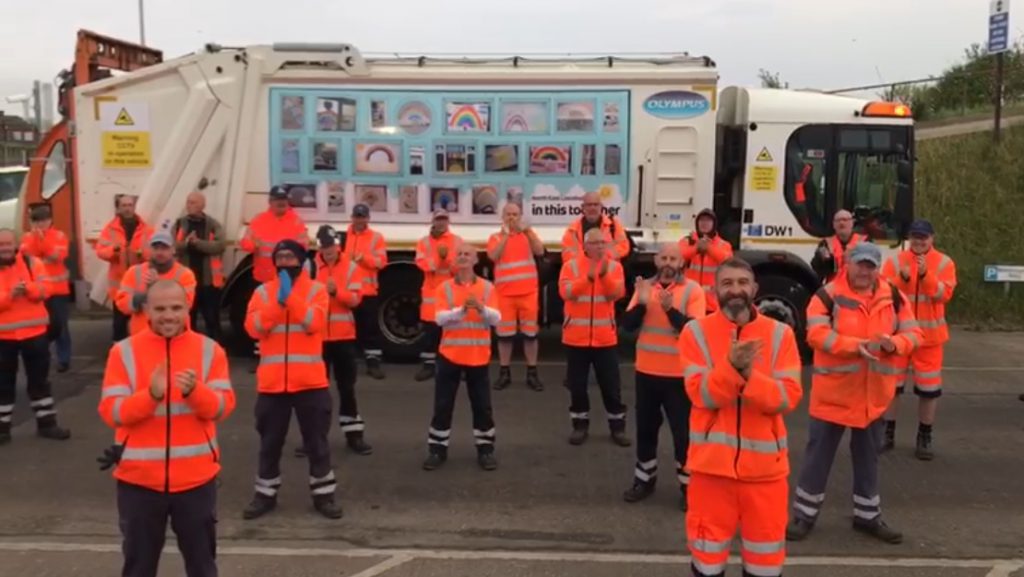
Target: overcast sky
[[811, 43]]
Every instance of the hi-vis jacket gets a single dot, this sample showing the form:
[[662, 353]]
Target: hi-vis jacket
[[590, 304], [834, 266], [50, 247], [657, 346], [435, 269], [515, 272], [24, 316], [290, 336], [371, 245], [466, 334], [169, 445], [614, 236], [134, 284], [736, 425], [122, 252], [341, 324], [702, 268], [848, 389], [265, 231], [929, 294]]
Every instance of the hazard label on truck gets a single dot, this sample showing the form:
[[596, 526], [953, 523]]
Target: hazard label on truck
[[764, 155], [764, 178], [125, 136]]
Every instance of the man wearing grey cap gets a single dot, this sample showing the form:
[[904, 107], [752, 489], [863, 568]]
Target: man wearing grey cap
[[131, 297], [367, 249], [862, 331]]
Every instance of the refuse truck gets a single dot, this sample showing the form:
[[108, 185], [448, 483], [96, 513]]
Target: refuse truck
[[656, 137]]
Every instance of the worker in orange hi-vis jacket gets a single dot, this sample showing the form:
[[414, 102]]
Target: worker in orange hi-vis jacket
[[435, 257], [50, 245], [131, 297], [742, 375], [616, 241], [703, 250], [928, 278], [829, 259], [123, 242]]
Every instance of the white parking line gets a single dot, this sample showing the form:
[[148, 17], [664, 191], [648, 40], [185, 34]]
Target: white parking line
[[384, 566]]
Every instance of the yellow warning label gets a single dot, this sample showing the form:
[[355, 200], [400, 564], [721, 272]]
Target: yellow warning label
[[764, 178], [124, 119], [763, 156], [126, 150]]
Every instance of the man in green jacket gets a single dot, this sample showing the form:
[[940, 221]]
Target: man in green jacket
[[200, 245]]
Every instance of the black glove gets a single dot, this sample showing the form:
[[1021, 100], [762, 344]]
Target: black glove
[[111, 456]]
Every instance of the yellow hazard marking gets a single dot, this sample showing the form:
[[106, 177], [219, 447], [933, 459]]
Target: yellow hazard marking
[[764, 155], [764, 178], [124, 119]]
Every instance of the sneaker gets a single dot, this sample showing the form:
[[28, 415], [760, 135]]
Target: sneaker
[[924, 447], [359, 446], [63, 367], [373, 369], [504, 379], [425, 373], [434, 460], [326, 506], [620, 439], [533, 380], [798, 529], [487, 461], [54, 433], [578, 436], [259, 506], [638, 492], [879, 530]]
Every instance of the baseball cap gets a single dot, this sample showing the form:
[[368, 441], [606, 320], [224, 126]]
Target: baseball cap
[[921, 227], [866, 252], [440, 213], [161, 237], [278, 192], [361, 210]]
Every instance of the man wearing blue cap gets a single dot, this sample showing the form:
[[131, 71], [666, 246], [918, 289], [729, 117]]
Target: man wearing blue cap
[[928, 278]]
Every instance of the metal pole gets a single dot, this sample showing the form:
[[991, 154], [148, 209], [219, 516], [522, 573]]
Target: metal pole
[[999, 96], [142, 23]]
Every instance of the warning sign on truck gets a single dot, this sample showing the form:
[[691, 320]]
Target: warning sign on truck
[[124, 138], [764, 178]]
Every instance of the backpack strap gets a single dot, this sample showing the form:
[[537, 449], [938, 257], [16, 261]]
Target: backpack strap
[[826, 299], [897, 298], [28, 266]]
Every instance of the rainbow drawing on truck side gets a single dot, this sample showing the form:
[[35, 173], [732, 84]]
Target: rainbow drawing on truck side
[[516, 123], [467, 118]]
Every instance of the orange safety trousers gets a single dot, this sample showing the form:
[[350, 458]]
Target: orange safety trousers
[[925, 371], [717, 505]]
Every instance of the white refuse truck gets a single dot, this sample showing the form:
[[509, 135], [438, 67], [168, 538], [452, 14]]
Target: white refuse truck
[[656, 137]]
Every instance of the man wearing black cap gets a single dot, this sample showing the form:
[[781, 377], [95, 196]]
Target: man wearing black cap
[[928, 278], [366, 248], [50, 246]]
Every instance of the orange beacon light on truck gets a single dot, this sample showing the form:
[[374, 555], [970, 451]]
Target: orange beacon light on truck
[[892, 109]]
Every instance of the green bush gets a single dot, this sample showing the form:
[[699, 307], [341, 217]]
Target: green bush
[[973, 192]]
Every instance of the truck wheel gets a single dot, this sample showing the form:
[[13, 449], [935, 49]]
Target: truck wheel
[[399, 316], [785, 300]]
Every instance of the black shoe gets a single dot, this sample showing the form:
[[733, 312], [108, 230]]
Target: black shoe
[[924, 447], [578, 436], [5, 438], [533, 379], [565, 383], [259, 506], [1021, 397], [54, 433], [638, 492], [63, 367], [798, 529], [620, 439], [487, 461], [359, 446], [434, 460], [300, 452], [373, 369], [879, 530], [504, 379], [326, 506], [425, 373]]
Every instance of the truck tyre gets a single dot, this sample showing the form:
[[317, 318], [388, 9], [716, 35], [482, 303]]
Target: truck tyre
[[785, 299], [399, 316]]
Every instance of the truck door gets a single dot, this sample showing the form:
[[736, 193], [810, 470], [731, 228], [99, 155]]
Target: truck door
[[675, 174]]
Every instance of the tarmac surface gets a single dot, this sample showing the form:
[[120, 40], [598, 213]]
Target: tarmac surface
[[550, 509]]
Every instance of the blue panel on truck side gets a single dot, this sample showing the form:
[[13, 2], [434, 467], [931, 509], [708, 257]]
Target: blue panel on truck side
[[405, 153]]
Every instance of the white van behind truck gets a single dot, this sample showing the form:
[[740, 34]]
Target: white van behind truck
[[12, 178]]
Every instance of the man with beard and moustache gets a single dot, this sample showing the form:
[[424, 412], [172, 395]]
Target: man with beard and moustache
[[131, 299], [122, 243], [368, 250], [928, 278], [435, 254], [164, 391], [200, 246], [23, 325], [660, 308], [862, 332], [286, 316], [742, 373], [829, 259], [703, 251], [50, 245]]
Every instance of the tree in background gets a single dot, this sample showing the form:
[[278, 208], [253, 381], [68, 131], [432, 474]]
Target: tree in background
[[771, 79]]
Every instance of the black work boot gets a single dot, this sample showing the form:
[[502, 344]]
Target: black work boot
[[259, 506], [434, 461], [327, 506], [533, 379], [879, 530], [373, 368], [504, 379], [620, 438], [639, 491], [425, 373], [923, 451], [487, 460], [63, 367], [890, 437], [357, 444], [798, 529], [54, 433], [579, 435]]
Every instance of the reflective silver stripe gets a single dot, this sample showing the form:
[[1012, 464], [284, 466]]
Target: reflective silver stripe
[[341, 317], [885, 369], [592, 299], [25, 324], [661, 349], [709, 546], [449, 294], [777, 334], [694, 370], [937, 323], [298, 359], [665, 331], [875, 501], [786, 374], [428, 300], [515, 264], [307, 319], [116, 413], [465, 342], [762, 570], [281, 329], [515, 277], [467, 326], [907, 325], [590, 322], [945, 262], [764, 547], [765, 447], [219, 384], [709, 568], [128, 360], [208, 350], [685, 298], [575, 268], [817, 499], [816, 321], [830, 341], [846, 302], [116, 391], [705, 384], [928, 375], [176, 409], [160, 453], [939, 290], [841, 369]]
